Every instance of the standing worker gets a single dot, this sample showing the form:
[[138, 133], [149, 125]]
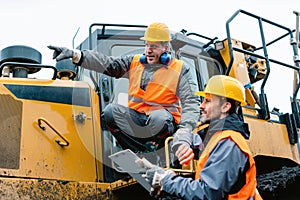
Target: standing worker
[[226, 168], [161, 90]]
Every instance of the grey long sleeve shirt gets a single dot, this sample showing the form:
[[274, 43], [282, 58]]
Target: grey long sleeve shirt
[[119, 67]]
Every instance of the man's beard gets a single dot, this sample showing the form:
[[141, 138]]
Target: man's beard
[[204, 120]]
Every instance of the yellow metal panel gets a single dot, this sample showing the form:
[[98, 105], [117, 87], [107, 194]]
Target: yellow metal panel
[[10, 125], [239, 69], [97, 135], [40, 155], [270, 139]]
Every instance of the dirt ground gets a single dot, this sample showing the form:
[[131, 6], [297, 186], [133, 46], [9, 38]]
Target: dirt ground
[[283, 184]]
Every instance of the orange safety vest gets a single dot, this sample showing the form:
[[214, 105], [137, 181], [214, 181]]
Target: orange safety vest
[[160, 92], [248, 191]]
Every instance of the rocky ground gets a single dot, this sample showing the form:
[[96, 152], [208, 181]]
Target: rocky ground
[[283, 184]]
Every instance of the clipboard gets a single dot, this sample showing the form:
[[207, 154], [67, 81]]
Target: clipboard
[[127, 160]]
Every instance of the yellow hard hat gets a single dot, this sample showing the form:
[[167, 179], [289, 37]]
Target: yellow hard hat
[[157, 32], [225, 86]]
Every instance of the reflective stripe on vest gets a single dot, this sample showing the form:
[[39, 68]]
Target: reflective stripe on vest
[[248, 191], [160, 92]]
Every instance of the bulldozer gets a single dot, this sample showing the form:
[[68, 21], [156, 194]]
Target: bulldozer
[[55, 145]]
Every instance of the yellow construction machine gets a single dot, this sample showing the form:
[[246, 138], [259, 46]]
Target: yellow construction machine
[[53, 142]]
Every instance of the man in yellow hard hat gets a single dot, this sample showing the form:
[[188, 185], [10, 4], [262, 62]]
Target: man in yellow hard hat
[[226, 168], [161, 90]]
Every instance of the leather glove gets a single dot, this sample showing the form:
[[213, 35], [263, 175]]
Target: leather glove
[[61, 53]]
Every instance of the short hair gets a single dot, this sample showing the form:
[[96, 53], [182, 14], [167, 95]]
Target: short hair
[[235, 105]]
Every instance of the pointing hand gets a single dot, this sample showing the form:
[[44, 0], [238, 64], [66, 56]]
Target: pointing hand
[[61, 53]]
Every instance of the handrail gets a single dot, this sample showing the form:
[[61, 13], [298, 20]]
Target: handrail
[[211, 40], [167, 151], [273, 41], [168, 166], [264, 108], [32, 65], [103, 29], [62, 144]]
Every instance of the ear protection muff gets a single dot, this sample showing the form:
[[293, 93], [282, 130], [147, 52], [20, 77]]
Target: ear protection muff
[[143, 59], [165, 58]]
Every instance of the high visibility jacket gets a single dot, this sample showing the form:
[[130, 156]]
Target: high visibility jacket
[[248, 191], [160, 92]]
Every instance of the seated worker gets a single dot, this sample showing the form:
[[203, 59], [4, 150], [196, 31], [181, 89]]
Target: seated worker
[[161, 90], [226, 168]]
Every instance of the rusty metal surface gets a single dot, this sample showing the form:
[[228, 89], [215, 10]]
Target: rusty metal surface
[[15, 188], [123, 183]]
